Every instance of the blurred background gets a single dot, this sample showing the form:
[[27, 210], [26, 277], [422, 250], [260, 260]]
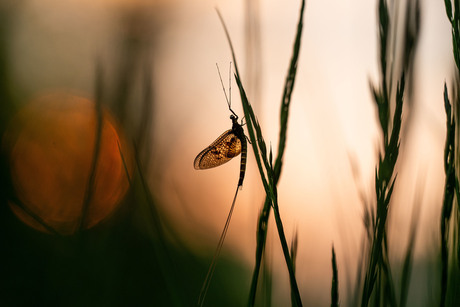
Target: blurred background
[[154, 65]]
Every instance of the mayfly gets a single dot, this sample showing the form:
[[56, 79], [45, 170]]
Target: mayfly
[[227, 146]]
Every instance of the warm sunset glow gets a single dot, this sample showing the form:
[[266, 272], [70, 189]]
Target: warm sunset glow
[[154, 64], [51, 144]]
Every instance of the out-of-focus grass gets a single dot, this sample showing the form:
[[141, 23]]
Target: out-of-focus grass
[[379, 284], [127, 260], [450, 214]]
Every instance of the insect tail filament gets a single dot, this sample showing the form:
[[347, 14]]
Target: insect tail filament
[[207, 280]]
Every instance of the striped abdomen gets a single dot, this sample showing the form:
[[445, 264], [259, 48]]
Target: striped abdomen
[[244, 154]]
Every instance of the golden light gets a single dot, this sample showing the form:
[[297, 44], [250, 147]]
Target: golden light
[[50, 145]]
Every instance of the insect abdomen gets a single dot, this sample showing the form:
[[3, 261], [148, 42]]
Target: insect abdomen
[[244, 151]]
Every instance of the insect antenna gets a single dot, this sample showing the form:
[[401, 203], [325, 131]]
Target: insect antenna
[[229, 97], [230, 87]]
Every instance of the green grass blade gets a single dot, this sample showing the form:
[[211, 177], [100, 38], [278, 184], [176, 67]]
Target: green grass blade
[[449, 192], [450, 218], [293, 256], [267, 174], [287, 93], [284, 116], [378, 282]]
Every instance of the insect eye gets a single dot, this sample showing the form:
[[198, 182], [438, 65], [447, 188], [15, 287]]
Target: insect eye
[[232, 117]]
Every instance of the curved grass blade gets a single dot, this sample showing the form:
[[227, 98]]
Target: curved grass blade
[[450, 217], [99, 124], [271, 191], [284, 115], [267, 174]]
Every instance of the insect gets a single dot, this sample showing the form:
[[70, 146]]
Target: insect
[[227, 146]]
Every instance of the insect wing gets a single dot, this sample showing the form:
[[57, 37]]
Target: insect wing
[[222, 150]]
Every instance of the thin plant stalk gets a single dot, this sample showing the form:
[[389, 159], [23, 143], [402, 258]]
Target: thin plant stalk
[[284, 115], [294, 248], [97, 145], [450, 224]]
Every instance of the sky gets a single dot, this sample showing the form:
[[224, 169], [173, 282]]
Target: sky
[[333, 136]]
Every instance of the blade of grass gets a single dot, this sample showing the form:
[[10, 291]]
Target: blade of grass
[[32, 214], [250, 117], [335, 281], [97, 145], [271, 191], [267, 280], [144, 133], [450, 224], [449, 192], [384, 185], [143, 195], [284, 115], [378, 273], [294, 246]]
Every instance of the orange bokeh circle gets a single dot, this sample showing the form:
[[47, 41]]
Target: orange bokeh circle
[[50, 144]]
